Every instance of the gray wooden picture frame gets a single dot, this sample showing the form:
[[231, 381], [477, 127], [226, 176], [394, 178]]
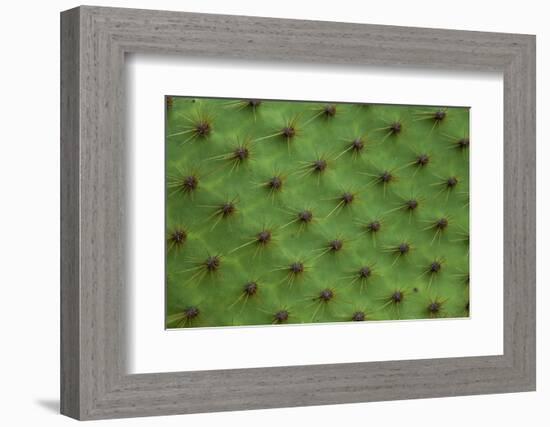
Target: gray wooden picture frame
[[94, 381]]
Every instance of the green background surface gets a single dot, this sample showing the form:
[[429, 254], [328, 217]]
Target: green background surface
[[218, 296]]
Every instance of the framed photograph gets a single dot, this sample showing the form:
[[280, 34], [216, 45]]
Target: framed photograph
[[262, 213], [285, 212]]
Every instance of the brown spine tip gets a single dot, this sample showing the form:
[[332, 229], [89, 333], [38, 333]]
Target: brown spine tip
[[190, 183], [439, 115], [397, 297], [347, 198], [264, 237], [203, 129], [305, 216], [442, 224], [411, 204], [422, 160], [250, 288], [451, 182], [319, 165], [326, 295], [403, 248], [395, 128], [178, 237], [435, 267], [191, 312], [241, 154], [463, 143], [329, 110], [227, 209], [386, 177], [358, 316], [275, 183], [374, 226], [434, 307], [357, 145], [365, 272], [281, 316], [288, 132], [212, 263], [336, 245], [296, 267]]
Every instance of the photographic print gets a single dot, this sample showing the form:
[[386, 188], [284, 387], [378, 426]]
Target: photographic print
[[297, 212]]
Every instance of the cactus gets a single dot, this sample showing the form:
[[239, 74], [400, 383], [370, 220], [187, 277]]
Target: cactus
[[282, 212]]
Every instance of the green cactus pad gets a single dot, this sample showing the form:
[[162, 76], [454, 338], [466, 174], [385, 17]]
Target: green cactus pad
[[283, 212]]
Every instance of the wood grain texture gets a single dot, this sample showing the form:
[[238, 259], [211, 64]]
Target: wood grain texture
[[70, 221], [94, 381]]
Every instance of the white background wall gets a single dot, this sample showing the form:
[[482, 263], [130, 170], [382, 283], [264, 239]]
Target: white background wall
[[29, 212]]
